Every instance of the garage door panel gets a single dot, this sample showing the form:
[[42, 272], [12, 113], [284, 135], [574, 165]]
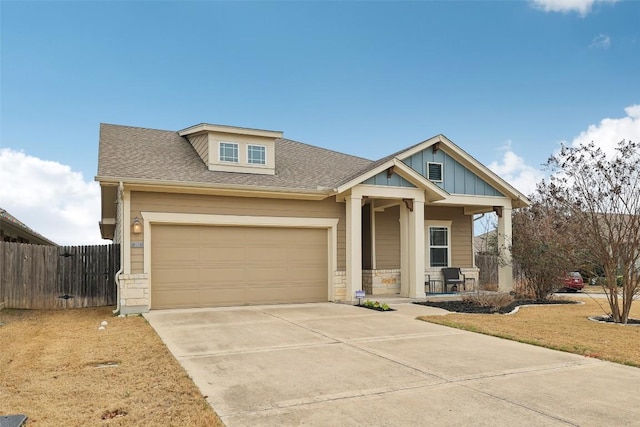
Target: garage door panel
[[310, 273], [306, 255], [287, 295], [175, 254], [262, 274], [186, 298], [201, 266], [221, 254], [171, 276], [265, 253]]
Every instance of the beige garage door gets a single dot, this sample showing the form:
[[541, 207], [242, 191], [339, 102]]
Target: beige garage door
[[207, 266]]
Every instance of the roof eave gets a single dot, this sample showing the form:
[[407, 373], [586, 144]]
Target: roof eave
[[238, 190], [206, 127], [435, 192]]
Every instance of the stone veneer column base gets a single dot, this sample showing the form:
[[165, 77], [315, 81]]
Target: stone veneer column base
[[339, 286], [135, 297], [381, 282]]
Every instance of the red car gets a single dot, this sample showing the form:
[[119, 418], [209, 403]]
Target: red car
[[573, 282]]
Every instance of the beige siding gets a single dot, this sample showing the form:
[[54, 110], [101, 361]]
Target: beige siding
[[388, 239], [220, 205], [201, 145], [461, 232]]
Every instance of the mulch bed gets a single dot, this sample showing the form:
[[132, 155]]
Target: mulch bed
[[608, 319], [376, 308], [470, 307]]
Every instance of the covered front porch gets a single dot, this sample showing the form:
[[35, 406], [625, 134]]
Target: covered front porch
[[398, 239]]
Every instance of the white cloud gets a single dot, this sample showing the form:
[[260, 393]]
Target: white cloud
[[582, 7], [609, 132], [50, 198], [516, 171], [605, 135], [601, 41]]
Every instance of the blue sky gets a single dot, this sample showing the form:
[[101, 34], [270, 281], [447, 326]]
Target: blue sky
[[506, 81]]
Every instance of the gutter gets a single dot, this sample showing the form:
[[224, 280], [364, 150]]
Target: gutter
[[119, 272], [318, 193]]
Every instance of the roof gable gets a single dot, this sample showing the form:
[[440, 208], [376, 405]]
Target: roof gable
[[456, 178], [389, 179], [464, 175]]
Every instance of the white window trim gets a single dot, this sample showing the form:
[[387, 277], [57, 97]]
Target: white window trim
[[427, 244], [441, 171], [249, 162], [220, 154]]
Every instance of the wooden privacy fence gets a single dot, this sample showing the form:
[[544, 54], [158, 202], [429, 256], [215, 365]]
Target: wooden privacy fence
[[489, 264], [47, 277]]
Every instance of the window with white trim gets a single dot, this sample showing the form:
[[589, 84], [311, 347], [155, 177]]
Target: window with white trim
[[434, 171], [256, 154], [229, 152], [438, 243]]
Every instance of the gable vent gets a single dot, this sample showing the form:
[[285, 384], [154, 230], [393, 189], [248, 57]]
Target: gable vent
[[434, 172]]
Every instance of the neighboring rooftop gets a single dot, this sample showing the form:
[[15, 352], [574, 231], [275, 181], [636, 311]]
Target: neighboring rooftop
[[14, 230]]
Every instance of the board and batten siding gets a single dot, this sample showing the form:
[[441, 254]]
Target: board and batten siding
[[457, 179], [388, 238], [243, 206]]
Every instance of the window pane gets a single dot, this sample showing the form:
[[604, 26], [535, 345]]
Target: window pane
[[256, 155], [228, 152], [438, 236], [439, 257]]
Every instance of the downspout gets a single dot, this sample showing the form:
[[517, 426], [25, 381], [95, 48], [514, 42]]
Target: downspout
[[119, 272]]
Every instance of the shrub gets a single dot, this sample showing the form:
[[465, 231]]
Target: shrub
[[491, 287], [523, 289], [377, 305], [493, 300]]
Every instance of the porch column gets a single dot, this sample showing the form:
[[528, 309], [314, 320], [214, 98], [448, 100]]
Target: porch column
[[416, 250], [405, 273], [505, 269], [354, 245]]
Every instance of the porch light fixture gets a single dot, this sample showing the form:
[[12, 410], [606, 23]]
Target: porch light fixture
[[136, 227]]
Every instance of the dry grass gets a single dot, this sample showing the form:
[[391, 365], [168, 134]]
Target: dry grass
[[561, 327], [588, 289], [49, 372]]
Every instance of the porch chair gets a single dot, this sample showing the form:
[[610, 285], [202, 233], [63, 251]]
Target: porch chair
[[453, 276]]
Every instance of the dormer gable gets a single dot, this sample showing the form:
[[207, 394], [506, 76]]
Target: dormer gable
[[234, 149]]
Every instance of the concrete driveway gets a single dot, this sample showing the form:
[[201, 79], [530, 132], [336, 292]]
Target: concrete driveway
[[337, 365]]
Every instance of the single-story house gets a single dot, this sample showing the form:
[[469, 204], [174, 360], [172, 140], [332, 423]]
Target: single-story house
[[216, 215], [14, 230]]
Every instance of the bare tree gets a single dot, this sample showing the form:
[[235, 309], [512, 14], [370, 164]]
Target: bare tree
[[541, 247], [600, 197]]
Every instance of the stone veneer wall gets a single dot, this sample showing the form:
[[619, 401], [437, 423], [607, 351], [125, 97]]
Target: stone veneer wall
[[135, 297], [339, 285], [381, 282]]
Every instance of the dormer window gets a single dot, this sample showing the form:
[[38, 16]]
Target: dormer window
[[256, 154], [229, 152], [234, 149]]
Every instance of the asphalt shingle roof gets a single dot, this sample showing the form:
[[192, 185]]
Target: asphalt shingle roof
[[148, 154], [6, 216]]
